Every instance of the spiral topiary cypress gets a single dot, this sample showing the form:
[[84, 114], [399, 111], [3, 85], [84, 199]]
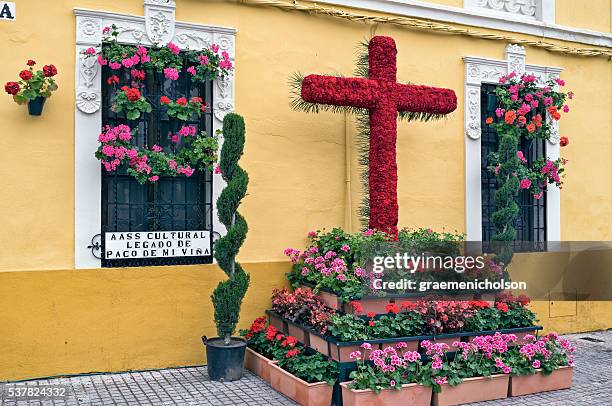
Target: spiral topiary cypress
[[227, 296], [507, 209]]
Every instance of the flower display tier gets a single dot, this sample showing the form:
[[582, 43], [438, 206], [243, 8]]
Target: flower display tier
[[340, 350], [422, 369]]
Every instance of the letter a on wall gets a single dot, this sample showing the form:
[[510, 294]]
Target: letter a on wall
[[7, 11]]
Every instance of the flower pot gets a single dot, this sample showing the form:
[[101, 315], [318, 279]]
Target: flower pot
[[446, 340], [258, 364], [299, 333], [329, 299], [304, 393], [520, 337], [471, 390], [318, 343], [277, 322], [224, 362], [538, 382], [342, 353], [35, 106], [410, 394], [375, 305], [410, 346]]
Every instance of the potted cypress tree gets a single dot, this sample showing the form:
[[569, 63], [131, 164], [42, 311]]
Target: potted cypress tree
[[225, 354]]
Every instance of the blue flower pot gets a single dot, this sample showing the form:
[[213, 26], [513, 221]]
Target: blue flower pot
[[35, 106]]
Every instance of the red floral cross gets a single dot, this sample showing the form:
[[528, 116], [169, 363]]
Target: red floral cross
[[383, 97]]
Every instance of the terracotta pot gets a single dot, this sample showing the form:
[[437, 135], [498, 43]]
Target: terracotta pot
[[471, 390], [304, 393], [257, 364], [411, 346], [278, 323], [329, 299], [538, 382], [411, 394], [299, 333], [319, 344], [447, 340], [342, 353], [520, 337]]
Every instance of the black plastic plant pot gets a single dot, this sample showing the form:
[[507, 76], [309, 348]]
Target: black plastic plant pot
[[225, 362], [35, 106]]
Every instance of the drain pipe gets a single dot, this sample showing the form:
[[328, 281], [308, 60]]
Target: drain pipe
[[348, 216]]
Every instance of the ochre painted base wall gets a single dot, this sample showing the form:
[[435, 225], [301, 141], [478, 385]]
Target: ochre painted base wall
[[69, 322], [109, 320]]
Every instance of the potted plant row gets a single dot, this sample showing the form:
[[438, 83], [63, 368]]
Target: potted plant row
[[302, 315], [487, 368], [281, 361]]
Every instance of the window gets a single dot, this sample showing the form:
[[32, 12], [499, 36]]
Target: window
[[173, 203], [531, 221]]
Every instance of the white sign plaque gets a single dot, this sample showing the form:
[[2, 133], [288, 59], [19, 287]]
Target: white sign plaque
[[156, 244], [8, 11]]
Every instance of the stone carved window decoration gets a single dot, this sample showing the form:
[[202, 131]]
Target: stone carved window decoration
[[479, 71], [538, 10], [158, 26]]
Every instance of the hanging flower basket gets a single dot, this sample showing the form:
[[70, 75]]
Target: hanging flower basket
[[34, 87], [35, 106]]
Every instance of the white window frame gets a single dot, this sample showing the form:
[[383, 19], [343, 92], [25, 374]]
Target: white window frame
[[539, 10], [483, 70], [157, 26]]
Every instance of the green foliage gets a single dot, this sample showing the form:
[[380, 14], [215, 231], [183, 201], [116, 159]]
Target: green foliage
[[207, 71], [516, 316], [162, 58], [507, 209], [486, 319], [227, 297], [183, 109], [133, 109], [310, 368]]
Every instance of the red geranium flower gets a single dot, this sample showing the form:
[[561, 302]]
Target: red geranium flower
[[12, 88], [502, 307], [164, 100], [49, 70], [271, 333], [489, 120], [391, 308], [408, 305], [132, 94], [25, 74], [510, 116], [195, 99], [31, 62], [292, 353], [182, 101], [357, 308], [563, 141], [371, 315], [112, 80]]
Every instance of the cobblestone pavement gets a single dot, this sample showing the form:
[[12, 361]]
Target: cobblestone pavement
[[190, 386]]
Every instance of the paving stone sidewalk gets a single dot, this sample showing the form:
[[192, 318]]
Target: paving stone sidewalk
[[191, 386]]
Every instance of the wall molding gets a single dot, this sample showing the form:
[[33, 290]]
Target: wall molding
[[484, 70], [483, 19], [158, 25]]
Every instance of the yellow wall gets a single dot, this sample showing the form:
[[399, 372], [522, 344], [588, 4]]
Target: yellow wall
[[55, 319], [592, 15]]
